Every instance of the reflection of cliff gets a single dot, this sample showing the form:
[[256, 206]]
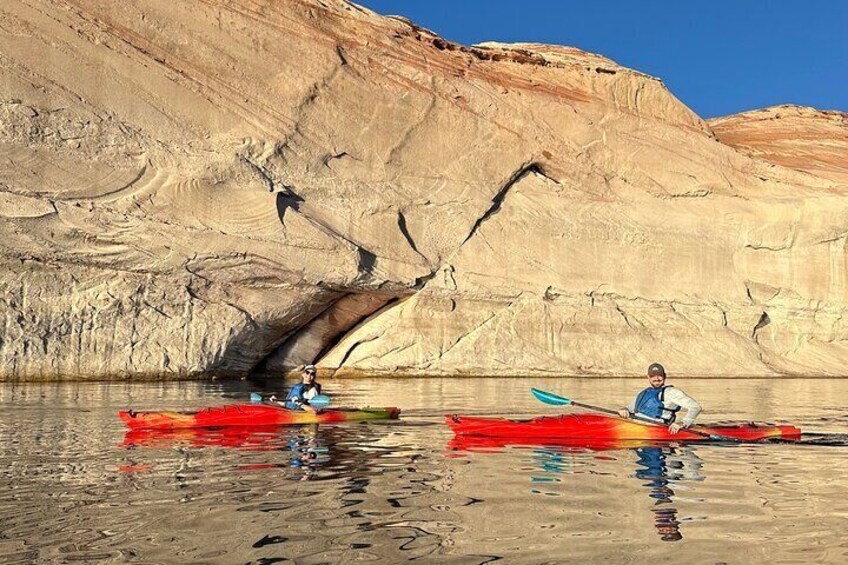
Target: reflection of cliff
[[180, 197]]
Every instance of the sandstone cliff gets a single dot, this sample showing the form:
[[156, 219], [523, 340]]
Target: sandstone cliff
[[801, 138], [228, 187]]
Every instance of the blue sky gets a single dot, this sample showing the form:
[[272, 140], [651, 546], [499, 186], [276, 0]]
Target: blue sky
[[719, 57]]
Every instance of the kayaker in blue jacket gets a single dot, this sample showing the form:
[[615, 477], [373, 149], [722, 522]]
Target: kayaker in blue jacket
[[662, 402], [300, 394]]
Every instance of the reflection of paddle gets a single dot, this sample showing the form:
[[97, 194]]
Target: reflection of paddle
[[556, 400], [317, 401]]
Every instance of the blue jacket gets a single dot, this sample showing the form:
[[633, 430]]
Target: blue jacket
[[650, 403], [295, 399]]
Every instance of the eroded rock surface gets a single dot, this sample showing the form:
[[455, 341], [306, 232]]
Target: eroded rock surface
[[793, 136], [224, 187]]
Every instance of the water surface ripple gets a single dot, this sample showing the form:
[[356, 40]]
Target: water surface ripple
[[75, 486]]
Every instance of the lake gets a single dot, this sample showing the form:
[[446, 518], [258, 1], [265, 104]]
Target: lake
[[74, 487]]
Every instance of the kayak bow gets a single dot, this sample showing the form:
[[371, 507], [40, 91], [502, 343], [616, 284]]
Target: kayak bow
[[249, 415]]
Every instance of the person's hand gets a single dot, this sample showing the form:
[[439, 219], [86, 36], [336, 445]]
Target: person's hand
[[273, 398], [674, 428], [624, 413]]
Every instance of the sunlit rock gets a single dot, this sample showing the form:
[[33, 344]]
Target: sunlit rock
[[188, 189]]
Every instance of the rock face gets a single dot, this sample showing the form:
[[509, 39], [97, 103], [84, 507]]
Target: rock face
[[228, 187], [801, 138]]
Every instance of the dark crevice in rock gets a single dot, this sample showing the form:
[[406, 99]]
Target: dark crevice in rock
[[832, 239], [448, 271], [768, 247], [551, 294], [340, 52], [329, 157], [763, 322], [405, 231], [354, 347], [498, 199], [269, 540], [423, 280], [286, 201], [367, 260], [623, 315], [748, 292]]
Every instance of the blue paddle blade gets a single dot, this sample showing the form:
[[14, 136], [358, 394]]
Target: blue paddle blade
[[550, 398], [255, 397], [319, 400]]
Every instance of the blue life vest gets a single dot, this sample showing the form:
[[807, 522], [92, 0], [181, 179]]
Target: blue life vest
[[295, 398], [650, 403]]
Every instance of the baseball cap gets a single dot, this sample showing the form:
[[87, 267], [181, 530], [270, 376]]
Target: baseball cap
[[656, 369]]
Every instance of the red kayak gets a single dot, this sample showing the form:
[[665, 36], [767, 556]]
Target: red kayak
[[249, 415], [597, 427]]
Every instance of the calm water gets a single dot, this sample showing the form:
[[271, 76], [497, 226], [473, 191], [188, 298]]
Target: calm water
[[74, 488]]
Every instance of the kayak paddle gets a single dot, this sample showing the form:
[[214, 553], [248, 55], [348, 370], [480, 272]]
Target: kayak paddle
[[556, 400], [317, 401]]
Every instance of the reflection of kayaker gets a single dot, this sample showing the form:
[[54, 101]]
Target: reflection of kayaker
[[662, 402], [307, 453], [661, 467]]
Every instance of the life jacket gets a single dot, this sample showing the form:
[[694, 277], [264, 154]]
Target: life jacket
[[650, 403], [301, 393]]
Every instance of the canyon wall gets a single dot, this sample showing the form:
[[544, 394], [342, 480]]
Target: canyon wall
[[238, 187]]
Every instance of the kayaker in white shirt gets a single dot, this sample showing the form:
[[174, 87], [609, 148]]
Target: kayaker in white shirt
[[661, 402]]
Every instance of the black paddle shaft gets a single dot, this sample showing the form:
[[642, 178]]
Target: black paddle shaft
[[648, 420]]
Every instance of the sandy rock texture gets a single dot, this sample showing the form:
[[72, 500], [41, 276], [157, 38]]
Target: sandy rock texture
[[215, 187], [801, 138]]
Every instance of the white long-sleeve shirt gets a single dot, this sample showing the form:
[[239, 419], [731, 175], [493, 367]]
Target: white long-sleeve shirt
[[674, 398]]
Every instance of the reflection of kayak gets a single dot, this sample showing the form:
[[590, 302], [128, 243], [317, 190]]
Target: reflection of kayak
[[462, 442], [249, 415], [259, 438], [599, 427]]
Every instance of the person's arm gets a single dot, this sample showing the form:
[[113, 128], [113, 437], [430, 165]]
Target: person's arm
[[294, 396], [628, 411], [685, 402]]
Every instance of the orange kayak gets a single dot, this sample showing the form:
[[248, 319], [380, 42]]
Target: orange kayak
[[249, 415], [577, 427]]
